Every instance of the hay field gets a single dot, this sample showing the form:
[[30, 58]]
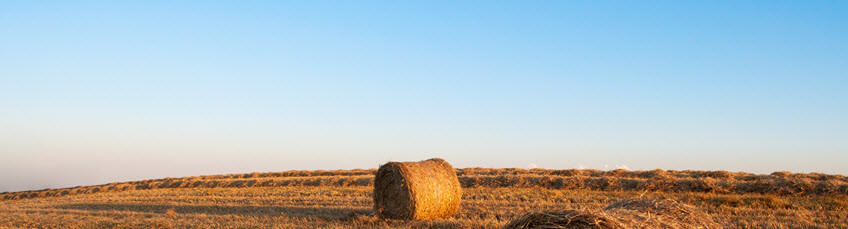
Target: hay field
[[491, 199]]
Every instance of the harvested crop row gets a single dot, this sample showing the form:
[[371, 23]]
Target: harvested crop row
[[782, 184]]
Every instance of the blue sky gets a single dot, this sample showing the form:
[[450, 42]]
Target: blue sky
[[101, 91]]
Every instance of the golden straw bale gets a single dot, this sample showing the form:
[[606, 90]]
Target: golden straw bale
[[416, 190]]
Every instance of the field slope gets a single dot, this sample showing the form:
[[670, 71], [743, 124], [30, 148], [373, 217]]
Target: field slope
[[492, 197]]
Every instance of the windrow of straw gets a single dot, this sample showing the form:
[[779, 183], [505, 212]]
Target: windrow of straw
[[722, 182], [776, 185]]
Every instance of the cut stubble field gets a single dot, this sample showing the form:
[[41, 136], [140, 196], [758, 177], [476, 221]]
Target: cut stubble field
[[491, 198]]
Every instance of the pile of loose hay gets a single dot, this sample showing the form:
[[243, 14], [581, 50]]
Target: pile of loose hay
[[416, 190], [628, 213], [565, 219], [653, 213]]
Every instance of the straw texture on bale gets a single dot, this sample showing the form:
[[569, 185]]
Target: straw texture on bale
[[416, 190], [625, 214]]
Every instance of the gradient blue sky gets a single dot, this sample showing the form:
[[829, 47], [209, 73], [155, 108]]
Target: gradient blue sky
[[101, 91]]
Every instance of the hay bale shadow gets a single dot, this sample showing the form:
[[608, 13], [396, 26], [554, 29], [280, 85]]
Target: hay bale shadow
[[323, 213]]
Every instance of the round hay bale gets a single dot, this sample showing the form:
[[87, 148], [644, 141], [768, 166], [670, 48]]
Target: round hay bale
[[578, 219], [416, 190]]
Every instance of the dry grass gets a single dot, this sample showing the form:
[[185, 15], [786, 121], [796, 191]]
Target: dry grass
[[335, 199]]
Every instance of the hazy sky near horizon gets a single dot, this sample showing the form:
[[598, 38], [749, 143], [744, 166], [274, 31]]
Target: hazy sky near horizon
[[100, 91]]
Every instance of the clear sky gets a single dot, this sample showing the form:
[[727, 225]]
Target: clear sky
[[104, 91]]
